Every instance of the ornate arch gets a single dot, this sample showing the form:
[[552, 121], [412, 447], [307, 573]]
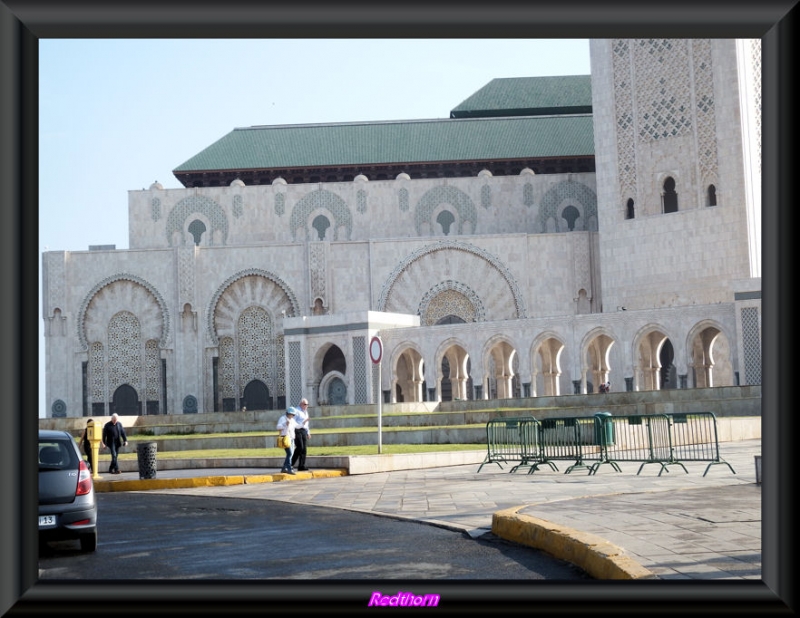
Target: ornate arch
[[428, 205], [197, 204], [265, 290], [407, 364], [124, 299], [475, 267], [458, 359], [703, 344], [548, 347], [476, 313], [571, 190], [501, 353], [595, 350], [328, 201]]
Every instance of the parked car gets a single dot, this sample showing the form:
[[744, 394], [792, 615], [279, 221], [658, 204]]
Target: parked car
[[67, 504]]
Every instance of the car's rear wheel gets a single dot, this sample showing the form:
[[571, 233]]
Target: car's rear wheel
[[89, 541]]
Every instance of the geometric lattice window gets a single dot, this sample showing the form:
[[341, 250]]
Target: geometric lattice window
[[226, 368], [294, 372], [751, 335], [97, 381], [152, 359], [124, 351], [448, 304], [361, 394], [254, 334]]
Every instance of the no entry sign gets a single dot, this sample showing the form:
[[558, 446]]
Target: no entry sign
[[375, 350]]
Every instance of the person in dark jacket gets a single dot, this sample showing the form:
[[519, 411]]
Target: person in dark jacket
[[87, 444], [114, 438]]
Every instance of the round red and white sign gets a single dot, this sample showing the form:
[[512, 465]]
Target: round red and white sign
[[375, 350]]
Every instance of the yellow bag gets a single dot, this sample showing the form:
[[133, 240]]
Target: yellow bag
[[284, 442]]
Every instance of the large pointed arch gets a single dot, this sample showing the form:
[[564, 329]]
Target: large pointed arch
[[475, 269]]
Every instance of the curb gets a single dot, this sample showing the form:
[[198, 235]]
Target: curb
[[104, 486], [596, 556]]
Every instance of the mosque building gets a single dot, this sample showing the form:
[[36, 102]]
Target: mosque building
[[549, 236]]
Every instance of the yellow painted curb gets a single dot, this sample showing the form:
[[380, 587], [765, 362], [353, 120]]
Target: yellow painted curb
[[593, 554], [102, 486]]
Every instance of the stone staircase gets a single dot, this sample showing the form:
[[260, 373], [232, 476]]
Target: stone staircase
[[738, 412]]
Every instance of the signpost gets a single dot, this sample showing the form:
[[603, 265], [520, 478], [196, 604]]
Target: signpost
[[375, 354]]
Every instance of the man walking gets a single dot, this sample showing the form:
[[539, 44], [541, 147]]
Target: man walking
[[114, 438], [301, 435]]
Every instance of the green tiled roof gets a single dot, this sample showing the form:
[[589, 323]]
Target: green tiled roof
[[529, 96], [408, 141]]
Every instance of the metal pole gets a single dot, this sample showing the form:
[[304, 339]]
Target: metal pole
[[379, 408]]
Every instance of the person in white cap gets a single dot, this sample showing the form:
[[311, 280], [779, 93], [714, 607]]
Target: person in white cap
[[286, 426], [301, 435]]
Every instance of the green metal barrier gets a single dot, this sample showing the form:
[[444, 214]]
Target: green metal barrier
[[505, 441], [662, 439]]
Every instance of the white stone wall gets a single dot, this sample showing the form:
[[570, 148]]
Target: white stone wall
[[508, 260], [372, 210]]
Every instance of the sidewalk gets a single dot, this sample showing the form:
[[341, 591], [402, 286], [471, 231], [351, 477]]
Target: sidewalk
[[614, 525]]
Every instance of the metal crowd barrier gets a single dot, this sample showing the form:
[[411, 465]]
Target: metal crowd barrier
[[637, 438], [567, 439], [505, 440], [590, 442], [695, 438]]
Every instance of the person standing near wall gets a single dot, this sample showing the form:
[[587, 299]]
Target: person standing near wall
[[114, 438], [87, 444], [301, 435]]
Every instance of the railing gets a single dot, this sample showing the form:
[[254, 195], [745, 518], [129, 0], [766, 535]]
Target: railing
[[507, 441], [590, 442]]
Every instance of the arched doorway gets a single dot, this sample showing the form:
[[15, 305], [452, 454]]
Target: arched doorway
[[256, 396], [126, 401]]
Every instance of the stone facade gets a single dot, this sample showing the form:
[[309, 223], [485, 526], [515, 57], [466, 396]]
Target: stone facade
[[645, 273]]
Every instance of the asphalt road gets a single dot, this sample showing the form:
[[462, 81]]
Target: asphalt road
[[155, 536]]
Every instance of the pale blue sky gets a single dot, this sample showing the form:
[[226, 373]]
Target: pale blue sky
[[117, 115]]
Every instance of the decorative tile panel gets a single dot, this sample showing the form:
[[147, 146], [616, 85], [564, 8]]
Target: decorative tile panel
[[360, 371], [751, 335]]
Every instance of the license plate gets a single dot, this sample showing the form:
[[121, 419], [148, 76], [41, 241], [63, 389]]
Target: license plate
[[45, 521]]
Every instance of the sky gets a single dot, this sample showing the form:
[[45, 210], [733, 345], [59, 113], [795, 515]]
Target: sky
[[117, 115]]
